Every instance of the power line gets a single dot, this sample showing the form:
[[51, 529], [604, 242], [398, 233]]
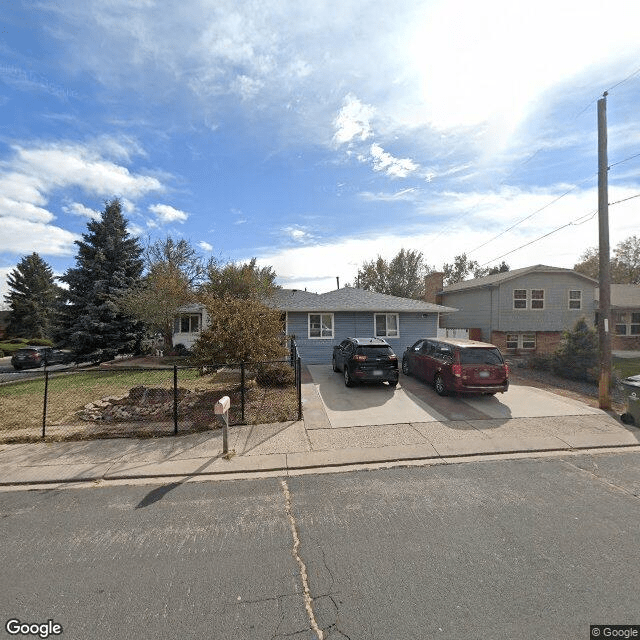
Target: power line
[[513, 226], [625, 160], [624, 199], [575, 223], [635, 73]]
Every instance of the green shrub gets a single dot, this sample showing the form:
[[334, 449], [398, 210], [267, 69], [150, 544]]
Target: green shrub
[[543, 362], [17, 341], [577, 357], [275, 375], [1, 353]]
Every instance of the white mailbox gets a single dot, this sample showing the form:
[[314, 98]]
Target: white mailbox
[[222, 406]]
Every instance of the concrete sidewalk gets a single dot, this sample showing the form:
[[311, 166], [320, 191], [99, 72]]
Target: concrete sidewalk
[[313, 443]]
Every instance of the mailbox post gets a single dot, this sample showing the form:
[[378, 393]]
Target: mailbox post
[[222, 409]]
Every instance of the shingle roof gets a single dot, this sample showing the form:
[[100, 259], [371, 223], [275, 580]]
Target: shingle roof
[[623, 295], [349, 299], [498, 278]]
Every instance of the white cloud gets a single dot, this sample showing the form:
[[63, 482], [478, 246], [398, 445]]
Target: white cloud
[[167, 213], [408, 195], [24, 236], [353, 121], [297, 234], [205, 246], [78, 209], [394, 167], [23, 210]]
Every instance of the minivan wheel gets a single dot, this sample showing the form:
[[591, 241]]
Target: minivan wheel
[[348, 382], [438, 383], [405, 367], [333, 364]]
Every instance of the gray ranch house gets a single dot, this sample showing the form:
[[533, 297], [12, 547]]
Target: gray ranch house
[[319, 321], [523, 311]]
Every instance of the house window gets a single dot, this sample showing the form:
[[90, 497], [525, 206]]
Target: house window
[[519, 298], [386, 325], [537, 298], [187, 323], [575, 299], [521, 341], [321, 325], [627, 323]]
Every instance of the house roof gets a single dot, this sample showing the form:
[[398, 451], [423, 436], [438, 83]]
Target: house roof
[[623, 295], [499, 278], [349, 299]]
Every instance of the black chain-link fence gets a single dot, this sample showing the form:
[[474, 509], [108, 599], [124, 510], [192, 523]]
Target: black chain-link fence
[[121, 401]]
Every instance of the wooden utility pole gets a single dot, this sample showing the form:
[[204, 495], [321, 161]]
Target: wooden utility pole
[[604, 311]]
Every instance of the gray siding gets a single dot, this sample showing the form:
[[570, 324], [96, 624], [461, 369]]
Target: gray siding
[[491, 308], [474, 310], [412, 327], [556, 314]]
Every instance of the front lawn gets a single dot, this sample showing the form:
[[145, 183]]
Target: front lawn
[[106, 403], [625, 367]]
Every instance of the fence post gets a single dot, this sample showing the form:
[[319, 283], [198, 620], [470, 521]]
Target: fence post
[[299, 387], [44, 410], [242, 392], [175, 399]]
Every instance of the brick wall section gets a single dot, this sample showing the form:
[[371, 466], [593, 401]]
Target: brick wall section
[[625, 343], [432, 284], [546, 342]]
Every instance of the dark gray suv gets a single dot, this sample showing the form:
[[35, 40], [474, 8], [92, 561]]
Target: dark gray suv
[[365, 360], [34, 357]]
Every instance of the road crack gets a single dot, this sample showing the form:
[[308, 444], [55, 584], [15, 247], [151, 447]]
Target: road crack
[[308, 600]]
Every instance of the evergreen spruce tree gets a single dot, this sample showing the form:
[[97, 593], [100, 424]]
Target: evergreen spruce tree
[[108, 263], [33, 299], [577, 357]]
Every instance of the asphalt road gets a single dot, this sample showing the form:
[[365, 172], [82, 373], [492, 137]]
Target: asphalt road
[[505, 549], [8, 373]]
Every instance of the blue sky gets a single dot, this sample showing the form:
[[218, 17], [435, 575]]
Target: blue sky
[[315, 136]]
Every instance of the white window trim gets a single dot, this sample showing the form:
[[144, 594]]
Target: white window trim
[[578, 300], [537, 300], [397, 315], [521, 340], [625, 319], [179, 320], [320, 337], [526, 300]]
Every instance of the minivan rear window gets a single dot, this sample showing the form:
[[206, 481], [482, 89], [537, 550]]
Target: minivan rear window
[[480, 356]]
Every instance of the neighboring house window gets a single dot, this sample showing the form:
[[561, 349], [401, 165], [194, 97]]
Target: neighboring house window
[[386, 325], [187, 323], [537, 298], [521, 341], [519, 298], [575, 299], [321, 325], [627, 323]]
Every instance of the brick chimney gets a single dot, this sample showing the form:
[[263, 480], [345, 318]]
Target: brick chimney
[[433, 284]]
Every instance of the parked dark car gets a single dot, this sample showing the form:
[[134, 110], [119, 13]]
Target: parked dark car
[[34, 357], [365, 360], [457, 366]]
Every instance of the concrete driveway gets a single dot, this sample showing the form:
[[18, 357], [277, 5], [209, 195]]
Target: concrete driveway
[[414, 401]]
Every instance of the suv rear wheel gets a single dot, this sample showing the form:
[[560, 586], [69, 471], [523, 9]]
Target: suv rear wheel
[[439, 385], [348, 382], [333, 363]]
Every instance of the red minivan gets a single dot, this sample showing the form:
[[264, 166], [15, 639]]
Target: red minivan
[[457, 366]]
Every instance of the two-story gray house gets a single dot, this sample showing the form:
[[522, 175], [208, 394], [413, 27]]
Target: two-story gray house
[[523, 311]]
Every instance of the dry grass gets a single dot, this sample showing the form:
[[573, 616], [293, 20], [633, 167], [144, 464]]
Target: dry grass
[[21, 404]]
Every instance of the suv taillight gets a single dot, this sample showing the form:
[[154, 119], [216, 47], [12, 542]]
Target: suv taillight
[[506, 369], [456, 369]]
